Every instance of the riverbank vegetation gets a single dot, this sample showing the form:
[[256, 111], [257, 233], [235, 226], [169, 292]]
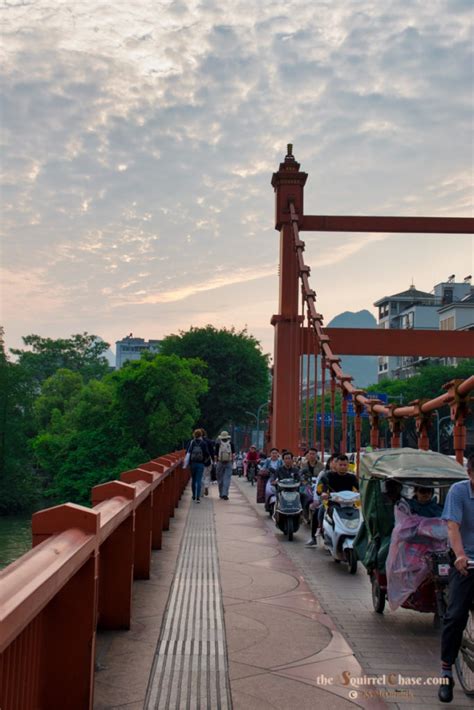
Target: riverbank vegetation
[[68, 421]]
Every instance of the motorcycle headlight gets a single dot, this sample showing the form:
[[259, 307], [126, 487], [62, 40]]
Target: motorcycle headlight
[[352, 524]]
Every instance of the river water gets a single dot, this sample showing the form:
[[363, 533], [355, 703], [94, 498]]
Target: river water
[[15, 537]]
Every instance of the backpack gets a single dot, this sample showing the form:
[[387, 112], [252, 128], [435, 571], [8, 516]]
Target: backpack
[[197, 454], [225, 451]]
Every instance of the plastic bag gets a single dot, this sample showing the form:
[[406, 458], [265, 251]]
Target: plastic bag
[[186, 460], [413, 539]]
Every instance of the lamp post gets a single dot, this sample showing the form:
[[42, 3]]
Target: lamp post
[[438, 422], [257, 419]]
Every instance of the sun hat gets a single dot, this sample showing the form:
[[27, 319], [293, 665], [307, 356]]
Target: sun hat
[[224, 435]]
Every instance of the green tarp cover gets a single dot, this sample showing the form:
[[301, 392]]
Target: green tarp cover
[[373, 540]]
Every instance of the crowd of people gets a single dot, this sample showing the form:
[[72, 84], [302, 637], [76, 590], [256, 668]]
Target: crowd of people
[[317, 480]]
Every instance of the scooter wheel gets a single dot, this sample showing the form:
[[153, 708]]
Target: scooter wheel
[[378, 596], [289, 529], [351, 558]]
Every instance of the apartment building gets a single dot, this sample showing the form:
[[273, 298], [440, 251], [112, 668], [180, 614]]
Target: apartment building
[[130, 348], [449, 306]]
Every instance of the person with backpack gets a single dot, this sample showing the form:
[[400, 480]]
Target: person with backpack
[[225, 451], [199, 457], [206, 478]]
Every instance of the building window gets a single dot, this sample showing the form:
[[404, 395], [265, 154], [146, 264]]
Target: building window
[[447, 295], [447, 323]]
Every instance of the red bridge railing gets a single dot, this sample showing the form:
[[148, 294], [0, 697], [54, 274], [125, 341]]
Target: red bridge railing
[[78, 577], [457, 395], [299, 331]]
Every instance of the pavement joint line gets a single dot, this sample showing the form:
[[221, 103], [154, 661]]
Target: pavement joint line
[[190, 668]]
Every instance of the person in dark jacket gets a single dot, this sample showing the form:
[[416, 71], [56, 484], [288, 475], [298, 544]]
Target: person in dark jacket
[[206, 477], [199, 457], [225, 452]]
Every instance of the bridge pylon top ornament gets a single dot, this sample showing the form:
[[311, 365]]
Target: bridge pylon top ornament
[[288, 184]]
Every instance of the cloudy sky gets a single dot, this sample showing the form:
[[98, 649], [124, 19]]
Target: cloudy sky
[[140, 138]]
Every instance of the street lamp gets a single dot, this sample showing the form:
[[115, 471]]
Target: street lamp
[[257, 418], [438, 422]]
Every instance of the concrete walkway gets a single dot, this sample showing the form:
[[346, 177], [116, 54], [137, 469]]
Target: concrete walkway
[[401, 647], [281, 649]]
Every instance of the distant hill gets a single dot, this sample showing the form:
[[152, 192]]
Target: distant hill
[[363, 368]]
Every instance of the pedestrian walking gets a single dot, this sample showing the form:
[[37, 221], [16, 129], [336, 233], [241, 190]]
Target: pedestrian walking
[[199, 457], [225, 451], [206, 478], [459, 512]]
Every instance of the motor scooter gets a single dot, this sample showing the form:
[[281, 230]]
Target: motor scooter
[[341, 524], [239, 467], [465, 660], [287, 510], [270, 498], [252, 469]]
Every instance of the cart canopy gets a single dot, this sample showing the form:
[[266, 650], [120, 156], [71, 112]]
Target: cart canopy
[[405, 466]]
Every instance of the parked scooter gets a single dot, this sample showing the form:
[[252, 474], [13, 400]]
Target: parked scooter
[[270, 498], [287, 511], [252, 468], [341, 524], [239, 466]]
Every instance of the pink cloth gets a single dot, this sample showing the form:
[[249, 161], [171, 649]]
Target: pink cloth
[[413, 539]]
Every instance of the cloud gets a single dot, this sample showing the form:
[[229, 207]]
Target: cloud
[[140, 139]]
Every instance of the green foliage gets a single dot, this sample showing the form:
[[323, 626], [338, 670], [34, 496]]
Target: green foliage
[[236, 370], [18, 484], [92, 432], [427, 385], [81, 353], [158, 400], [56, 395]]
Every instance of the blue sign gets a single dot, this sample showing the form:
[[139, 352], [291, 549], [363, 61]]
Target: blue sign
[[351, 411], [327, 418], [382, 396]]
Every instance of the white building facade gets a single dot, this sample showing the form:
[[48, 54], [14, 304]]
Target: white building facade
[[449, 306], [130, 348]]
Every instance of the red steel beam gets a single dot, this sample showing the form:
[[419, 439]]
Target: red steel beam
[[427, 225], [424, 343]]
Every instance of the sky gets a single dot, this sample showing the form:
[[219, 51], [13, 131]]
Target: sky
[[139, 140]]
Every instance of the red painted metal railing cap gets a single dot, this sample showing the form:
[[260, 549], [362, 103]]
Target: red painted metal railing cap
[[62, 517]]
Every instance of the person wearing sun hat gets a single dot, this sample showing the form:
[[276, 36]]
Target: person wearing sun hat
[[225, 452]]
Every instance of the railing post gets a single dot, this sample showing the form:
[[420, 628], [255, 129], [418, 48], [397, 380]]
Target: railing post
[[149, 473], [69, 619], [358, 433], [143, 524], [165, 498], [116, 556], [374, 426], [171, 478], [423, 424], [459, 412], [333, 412]]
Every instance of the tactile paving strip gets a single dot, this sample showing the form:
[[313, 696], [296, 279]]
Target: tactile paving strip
[[190, 669]]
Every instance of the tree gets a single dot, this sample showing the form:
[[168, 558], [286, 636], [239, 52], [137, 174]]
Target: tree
[[56, 394], [83, 353], [92, 432], [236, 370], [158, 400], [18, 484], [428, 384]]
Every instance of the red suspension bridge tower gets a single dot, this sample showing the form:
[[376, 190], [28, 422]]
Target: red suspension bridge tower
[[299, 330]]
